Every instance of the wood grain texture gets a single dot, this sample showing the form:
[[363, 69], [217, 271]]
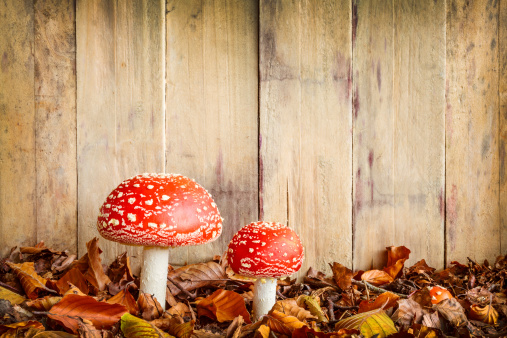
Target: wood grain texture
[[305, 124], [17, 126], [472, 107], [502, 82], [212, 109], [399, 60], [120, 104], [55, 123]]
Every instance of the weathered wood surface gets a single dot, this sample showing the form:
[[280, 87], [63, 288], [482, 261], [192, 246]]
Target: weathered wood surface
[[502, 59], [305, 124], [120, 104], [18, 223], [472, 109], [212, 104], [55, 123], [399, 60]]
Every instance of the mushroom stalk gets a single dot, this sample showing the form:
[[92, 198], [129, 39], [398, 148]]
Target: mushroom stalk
[[264, 296], [154, 272]]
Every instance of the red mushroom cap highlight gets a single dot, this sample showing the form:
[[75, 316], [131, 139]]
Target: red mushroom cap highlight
[[159, 210], [265, 249]]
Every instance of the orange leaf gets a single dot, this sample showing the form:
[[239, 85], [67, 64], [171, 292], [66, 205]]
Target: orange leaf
[[395, 270], [72, 307], [31, 282], [282, 323], [385, 301], [191, 277], [376, 277], [44, 304], [125, 298], [395, 253], [95, 273], [486, 314], [75, 277], [342, 275], [174, 327], [306, 331], [150, 307], [223, 306], [290, 306], [20, 325]]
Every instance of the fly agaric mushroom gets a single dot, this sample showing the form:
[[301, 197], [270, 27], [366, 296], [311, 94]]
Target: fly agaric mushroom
[[159, 211], [438, 294], [265, 251]]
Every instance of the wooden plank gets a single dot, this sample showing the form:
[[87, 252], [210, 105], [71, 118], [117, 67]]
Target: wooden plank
[[472, 159], [399, 154], [502, 59], [55, 123], [373, 150], [17, 123], [305, 124], [120, 104], [212, 109]]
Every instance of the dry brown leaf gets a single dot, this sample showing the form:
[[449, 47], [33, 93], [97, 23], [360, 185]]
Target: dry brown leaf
[[63, 262], [223, 305], [420, 268], [38, 248], [174, 327], [376, 277], [395, 270], [7, 328], [31, 282], [180, 310], [282, 323], [305, 331], [234, 329], [395, 253], [95, 273], [290, 307], [12, 297], [74, 290], [72, 307], [44, 304], [342, 275], [191, 277], [125, 298], [452, 310], [150, 307], [262, 332], [385, 301], [486, 314], [409, 312], [75, 277]]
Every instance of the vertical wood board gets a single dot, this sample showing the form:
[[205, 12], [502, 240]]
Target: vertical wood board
[[120, 104], [373, 148], [18, 203], [212, 104], [55, 123], [502, 59], [472, 157], [305, 125]]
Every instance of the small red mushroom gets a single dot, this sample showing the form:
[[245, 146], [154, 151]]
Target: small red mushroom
[[265, 251], [159, 211], [438, 294]]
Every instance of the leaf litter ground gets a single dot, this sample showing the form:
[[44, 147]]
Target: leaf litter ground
[[49, 293]]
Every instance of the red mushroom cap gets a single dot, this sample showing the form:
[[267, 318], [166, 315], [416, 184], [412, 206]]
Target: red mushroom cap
[[265, 249], [159, 210]]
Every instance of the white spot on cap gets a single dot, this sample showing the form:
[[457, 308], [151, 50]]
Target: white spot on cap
[[148, 202], [113, 221], [165, 197], [150, 186], [132, 200], [250, 250], [152, 225], [137, 185], [120, 194], [162, 226], [107, 205], [131, 217], [246, 265], [263, 243]]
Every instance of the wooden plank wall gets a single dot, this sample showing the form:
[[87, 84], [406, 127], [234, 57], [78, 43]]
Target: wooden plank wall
[[361, 124]]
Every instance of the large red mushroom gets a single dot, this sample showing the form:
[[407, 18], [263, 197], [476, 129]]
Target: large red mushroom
[[265, 251], [159, 211]]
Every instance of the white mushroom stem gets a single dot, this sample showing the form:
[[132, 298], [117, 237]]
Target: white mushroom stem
[[264, 296], [154, 272]]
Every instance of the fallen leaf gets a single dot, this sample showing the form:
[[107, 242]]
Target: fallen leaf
[[133, 327], [313, 306], [223, 305], [75, 277], [305, 331], [376, 277], [395, 253], [179, 310], [55, 334], [342, 275], [12, 297], [373, 323], [262, 332], [73, 290], [282, 323], [290, 307], [395, 270], [174, 327], [206, 334], [6, 328], [149, 306], [234, 329], [486, 314], [195, 276], [125, 298], [31, 282], [44, 303], [421, 268], [452, 310], [72, 307], [385, 301], [409, 312], [95, 273], [63, 262]]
